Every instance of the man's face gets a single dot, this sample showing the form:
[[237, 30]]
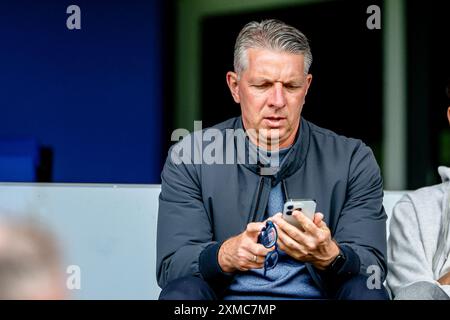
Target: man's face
[[271, 92]]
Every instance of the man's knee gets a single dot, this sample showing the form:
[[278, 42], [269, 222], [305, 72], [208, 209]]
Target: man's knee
[[421, 290], [187, 288], [357, 288]]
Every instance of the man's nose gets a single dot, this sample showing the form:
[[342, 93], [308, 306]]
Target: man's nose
[[277, 98]]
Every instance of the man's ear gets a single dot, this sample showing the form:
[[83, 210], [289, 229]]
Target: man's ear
[[233, 84], [308, 82]]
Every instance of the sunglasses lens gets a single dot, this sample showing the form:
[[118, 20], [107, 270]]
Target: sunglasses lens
[[271, 237], [271, 259], [268, 237]]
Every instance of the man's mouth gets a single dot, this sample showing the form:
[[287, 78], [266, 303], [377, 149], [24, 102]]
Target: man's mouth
[[274, 121]]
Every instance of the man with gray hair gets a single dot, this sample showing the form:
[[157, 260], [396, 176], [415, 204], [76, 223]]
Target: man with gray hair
[[221, 234]]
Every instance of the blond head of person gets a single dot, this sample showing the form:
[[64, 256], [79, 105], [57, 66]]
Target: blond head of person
[[30, 266]]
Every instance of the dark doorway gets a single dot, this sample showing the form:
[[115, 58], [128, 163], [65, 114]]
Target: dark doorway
[[346, 92]]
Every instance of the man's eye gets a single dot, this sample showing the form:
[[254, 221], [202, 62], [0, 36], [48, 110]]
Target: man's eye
[[261, 86], [292, 87]]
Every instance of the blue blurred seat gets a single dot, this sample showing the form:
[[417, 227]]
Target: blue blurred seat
[[19, 159]]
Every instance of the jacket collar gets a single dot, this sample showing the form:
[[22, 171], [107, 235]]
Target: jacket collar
[[293, 160]]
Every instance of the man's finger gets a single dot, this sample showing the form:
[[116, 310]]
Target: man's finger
[[255, 227], [318, 221], [256, 262], [258, 265], [307, 224], [289, 241], [318, 218], [292, 231], [251, 261], [289, 250], [323, 225], [277, 215], [259, 250]]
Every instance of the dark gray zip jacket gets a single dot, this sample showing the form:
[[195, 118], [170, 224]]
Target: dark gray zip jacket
[[202, 205]]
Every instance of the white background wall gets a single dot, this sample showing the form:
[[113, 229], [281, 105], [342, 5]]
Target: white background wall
[[108, 231]]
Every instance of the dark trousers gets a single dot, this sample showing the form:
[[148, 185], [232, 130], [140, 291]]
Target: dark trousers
[[187, 288], [195, 288]]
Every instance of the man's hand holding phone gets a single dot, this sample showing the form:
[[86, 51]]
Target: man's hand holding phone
[[309, 242]]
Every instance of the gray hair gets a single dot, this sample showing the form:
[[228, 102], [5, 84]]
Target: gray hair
[[270, 34]]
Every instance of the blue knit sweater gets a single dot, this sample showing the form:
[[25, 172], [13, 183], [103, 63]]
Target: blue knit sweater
[[288, 280]]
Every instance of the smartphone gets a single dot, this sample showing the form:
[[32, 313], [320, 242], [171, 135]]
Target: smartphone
[[306, 206]]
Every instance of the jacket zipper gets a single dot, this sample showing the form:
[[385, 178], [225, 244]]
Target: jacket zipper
[[258, 198], [286, 194]]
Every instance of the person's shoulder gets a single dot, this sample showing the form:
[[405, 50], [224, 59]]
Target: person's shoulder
[[344, 152], [437, 190], [423, 206], [428, 193], [427, 200], [326, 136]]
